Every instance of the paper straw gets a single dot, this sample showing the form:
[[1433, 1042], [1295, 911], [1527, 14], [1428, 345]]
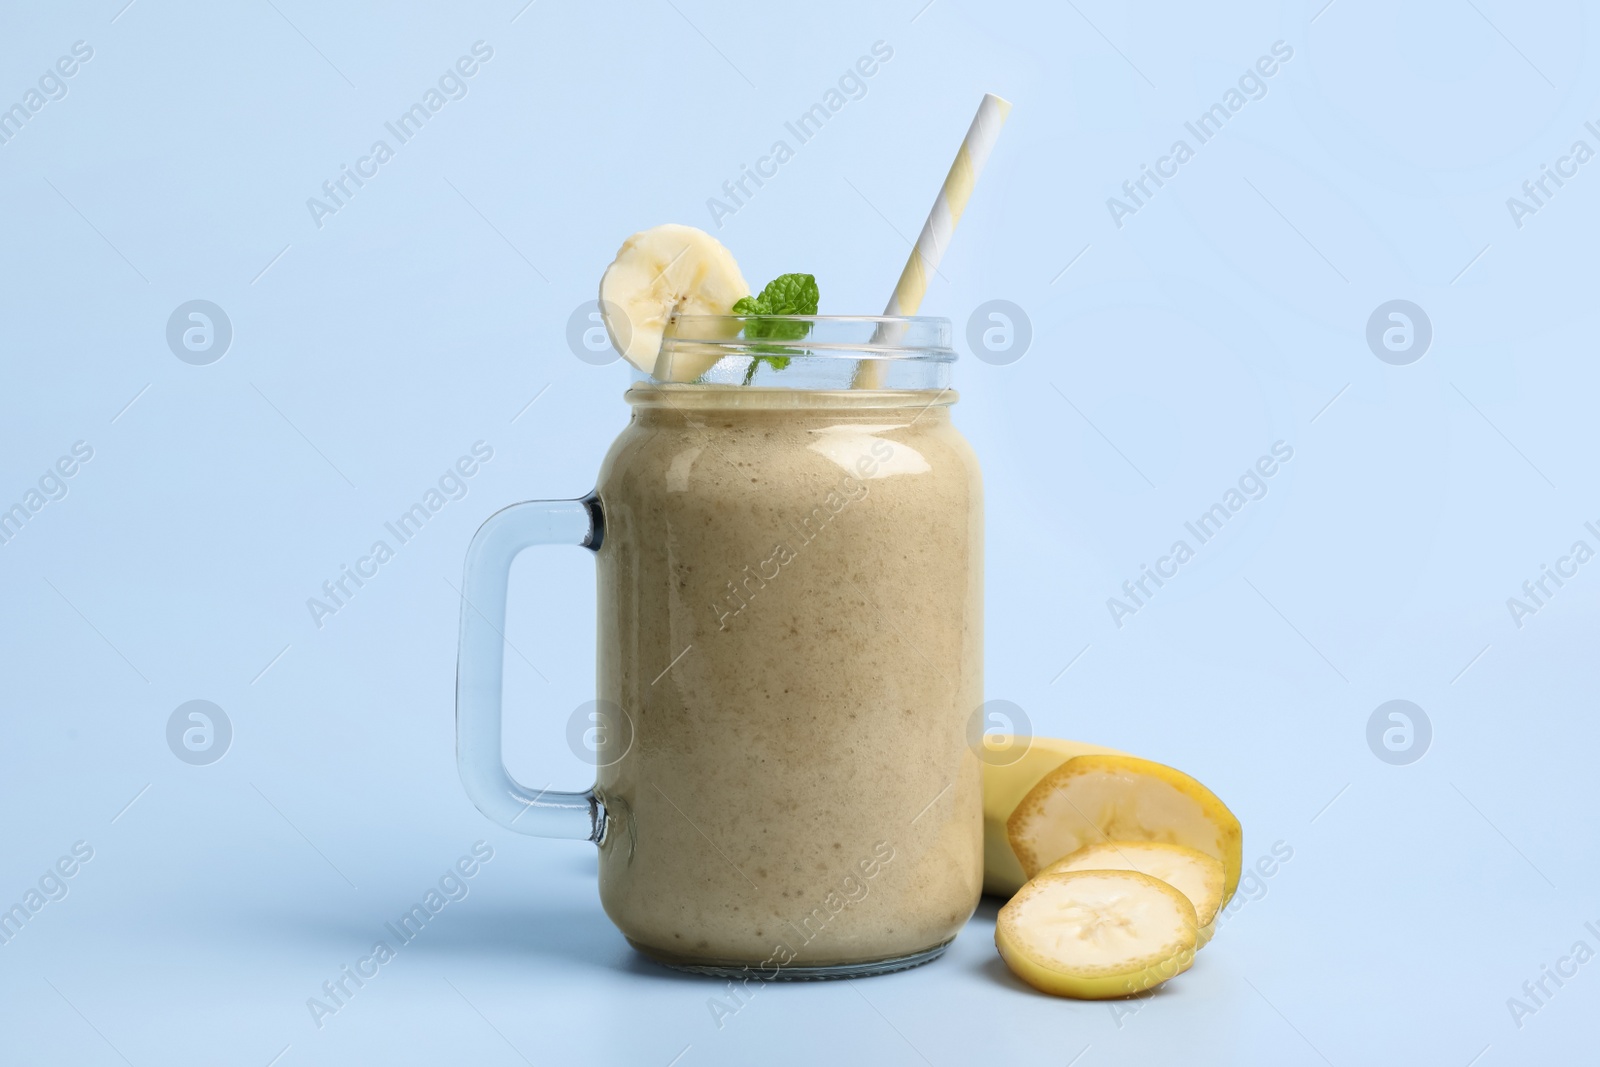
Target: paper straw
[[941, 224]]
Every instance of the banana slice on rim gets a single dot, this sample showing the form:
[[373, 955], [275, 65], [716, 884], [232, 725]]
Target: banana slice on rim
[[1096, 934], [1191, 872], [660, 273]]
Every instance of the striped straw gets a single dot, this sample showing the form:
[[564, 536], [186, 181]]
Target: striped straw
[[941, 224]]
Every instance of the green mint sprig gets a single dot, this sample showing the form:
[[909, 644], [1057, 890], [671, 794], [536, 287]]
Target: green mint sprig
[[787, 294]]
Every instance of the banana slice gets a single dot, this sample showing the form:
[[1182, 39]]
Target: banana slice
[[1005, 783], [1097, 798], [659, 273], [1192, 873], [1096, 934]]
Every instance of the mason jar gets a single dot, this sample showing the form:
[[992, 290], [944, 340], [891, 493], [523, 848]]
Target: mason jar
[[789, 652]]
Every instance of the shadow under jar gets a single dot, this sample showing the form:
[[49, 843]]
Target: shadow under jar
[[790, 640]]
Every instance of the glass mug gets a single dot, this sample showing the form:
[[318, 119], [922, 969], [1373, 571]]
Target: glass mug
[[790, 654]]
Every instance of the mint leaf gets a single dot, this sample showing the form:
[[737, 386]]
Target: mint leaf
[[787, 294], [790, 294], [778, 362]]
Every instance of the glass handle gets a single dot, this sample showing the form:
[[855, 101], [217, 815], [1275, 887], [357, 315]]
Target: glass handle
[[480, 667]]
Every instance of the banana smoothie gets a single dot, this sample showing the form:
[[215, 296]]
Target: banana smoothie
[[790, 614]]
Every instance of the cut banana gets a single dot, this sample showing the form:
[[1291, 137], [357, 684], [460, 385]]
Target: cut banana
[[1004, 786], [1192, 873], [1096, 934], [1097, 798], [660, 273]]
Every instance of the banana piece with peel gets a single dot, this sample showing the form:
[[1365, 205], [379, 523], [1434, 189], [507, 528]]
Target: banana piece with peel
[[1063, 795], [1004, 786]]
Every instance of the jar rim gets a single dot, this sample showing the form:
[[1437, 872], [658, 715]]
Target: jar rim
[[924, 338], [682, 398]]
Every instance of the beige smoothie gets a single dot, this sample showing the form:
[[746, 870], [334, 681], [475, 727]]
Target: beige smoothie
[[791, 616]]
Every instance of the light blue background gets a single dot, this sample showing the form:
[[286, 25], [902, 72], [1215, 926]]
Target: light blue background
[[1227, 314]]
